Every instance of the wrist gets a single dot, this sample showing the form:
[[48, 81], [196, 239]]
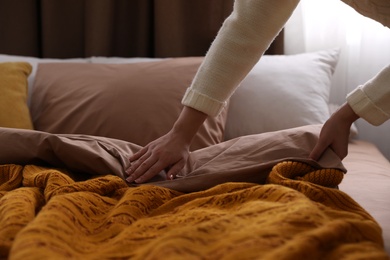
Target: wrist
[[188, 124], [346, 115]]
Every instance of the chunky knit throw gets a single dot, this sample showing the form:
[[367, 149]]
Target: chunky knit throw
[[46, 214]]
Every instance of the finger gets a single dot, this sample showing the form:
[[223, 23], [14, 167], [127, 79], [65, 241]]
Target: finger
[[133, 158], [317, 151], [340, 151], [142, 157], [175, 169], [141, 166], [150, 173], [138, 154]]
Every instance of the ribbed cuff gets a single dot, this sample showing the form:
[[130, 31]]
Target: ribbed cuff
[[202, 102], [365, 108]]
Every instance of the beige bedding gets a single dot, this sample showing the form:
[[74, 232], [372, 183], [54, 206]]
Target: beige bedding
[[368, 182], [247, 158]]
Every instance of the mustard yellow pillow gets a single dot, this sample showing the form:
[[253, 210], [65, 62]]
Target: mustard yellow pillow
[[14, 111]]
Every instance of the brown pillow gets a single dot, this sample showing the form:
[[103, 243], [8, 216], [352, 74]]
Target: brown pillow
[[136, 102], [14, 112]]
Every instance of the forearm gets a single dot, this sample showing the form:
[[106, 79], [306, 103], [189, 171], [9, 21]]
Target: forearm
[[243, 38], [371, 101], [378, 10]]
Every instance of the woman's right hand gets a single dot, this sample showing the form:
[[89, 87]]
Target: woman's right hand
[[169, 152]]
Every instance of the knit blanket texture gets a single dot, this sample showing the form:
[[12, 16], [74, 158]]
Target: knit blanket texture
[[49, 213]]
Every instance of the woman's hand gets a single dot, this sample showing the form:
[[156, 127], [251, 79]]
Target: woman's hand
[[335, 133], [169, 152]]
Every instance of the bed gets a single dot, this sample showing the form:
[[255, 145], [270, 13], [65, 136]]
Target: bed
[[248, 191]]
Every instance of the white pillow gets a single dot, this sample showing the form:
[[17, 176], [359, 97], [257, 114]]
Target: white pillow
[[34, 63], [281, 92]]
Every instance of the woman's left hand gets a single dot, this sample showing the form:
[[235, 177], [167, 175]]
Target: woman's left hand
[[335, 133]]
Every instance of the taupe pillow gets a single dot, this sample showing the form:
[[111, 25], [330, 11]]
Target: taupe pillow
[[136, 102]]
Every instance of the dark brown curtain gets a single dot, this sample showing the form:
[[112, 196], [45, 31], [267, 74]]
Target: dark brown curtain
[[125, 28]]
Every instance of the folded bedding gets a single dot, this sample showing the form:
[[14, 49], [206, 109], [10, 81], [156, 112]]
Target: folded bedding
[[246, 158], [257, 196]]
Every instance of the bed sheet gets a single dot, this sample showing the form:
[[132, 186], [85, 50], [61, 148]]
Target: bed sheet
[[368, 182]]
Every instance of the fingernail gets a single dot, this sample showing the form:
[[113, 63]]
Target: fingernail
[[130, 179], [128, 172], [139, 180], [171, 176]]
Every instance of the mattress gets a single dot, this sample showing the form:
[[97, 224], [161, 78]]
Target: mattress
[[367, 181]]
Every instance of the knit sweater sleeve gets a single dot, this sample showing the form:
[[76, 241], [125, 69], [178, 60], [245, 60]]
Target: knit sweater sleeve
[[371, 101], [243, 38]]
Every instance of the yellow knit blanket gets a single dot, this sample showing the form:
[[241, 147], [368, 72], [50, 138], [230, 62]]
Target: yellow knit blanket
[[46, 214]]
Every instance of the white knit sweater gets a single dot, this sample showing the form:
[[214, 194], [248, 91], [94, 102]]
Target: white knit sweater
[[242, 40], [371, 101]]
